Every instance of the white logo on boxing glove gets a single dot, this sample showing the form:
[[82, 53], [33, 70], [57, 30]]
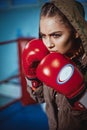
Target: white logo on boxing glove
[[65, 74]]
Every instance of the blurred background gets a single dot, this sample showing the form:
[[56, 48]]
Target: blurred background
[[19, 23]]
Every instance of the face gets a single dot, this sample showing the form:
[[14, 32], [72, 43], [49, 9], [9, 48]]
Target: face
[[55, 35]]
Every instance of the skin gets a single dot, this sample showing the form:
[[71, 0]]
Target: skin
[[56, 36]]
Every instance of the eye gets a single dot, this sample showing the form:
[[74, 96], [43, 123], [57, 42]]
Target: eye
[[42, 36], [56, 35]]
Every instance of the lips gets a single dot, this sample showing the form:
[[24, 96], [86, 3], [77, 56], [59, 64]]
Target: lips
[[54, 51]]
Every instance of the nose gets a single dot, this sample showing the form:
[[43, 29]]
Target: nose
[[49, 43]]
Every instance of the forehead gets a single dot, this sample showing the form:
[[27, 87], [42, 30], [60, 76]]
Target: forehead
[[50, 20], [51, 24]]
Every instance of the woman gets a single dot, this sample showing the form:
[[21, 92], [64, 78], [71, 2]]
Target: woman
[[63, 30]]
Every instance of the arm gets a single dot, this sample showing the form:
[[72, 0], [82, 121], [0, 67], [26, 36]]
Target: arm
[[61, 74], [32, 54], [36, 94]]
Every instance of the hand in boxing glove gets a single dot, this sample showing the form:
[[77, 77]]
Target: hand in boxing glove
[[61, 74], [32, 54]]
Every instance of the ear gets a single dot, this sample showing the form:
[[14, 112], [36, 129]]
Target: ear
[[76, 35]]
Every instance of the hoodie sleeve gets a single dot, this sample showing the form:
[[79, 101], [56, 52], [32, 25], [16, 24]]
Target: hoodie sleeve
[[36, 94]]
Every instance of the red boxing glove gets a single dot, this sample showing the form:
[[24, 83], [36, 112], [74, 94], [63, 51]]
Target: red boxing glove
[[59, 73], [33, 53]]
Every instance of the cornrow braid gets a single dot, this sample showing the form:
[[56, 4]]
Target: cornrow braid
[[77, 57]]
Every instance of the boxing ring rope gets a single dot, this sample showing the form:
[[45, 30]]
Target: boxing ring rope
[[25, 98]]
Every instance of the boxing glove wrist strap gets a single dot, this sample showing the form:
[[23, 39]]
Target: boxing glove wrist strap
[[33, 83], [78, 102]]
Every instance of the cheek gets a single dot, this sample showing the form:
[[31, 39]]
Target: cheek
[[59, 43], [45, 42], [63, 45], [63, 41]]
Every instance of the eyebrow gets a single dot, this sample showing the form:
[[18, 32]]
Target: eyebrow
[[51, 33]]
